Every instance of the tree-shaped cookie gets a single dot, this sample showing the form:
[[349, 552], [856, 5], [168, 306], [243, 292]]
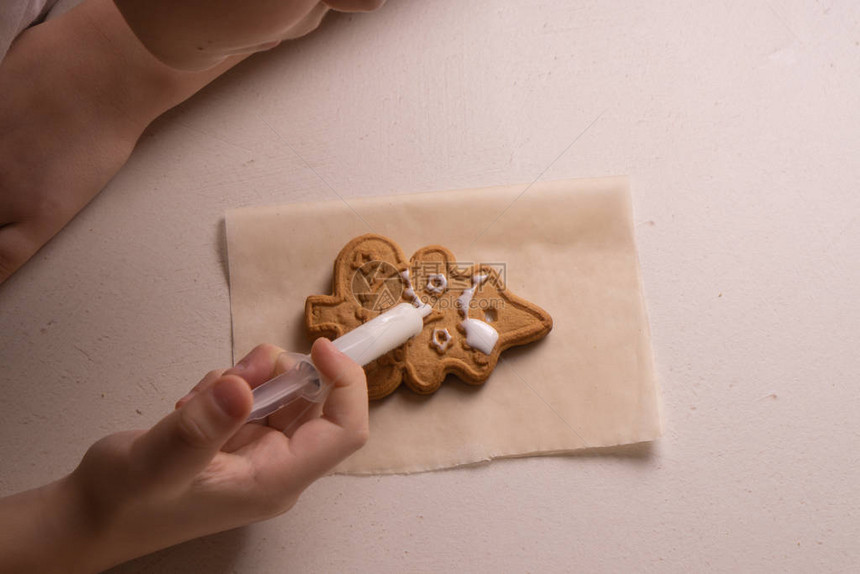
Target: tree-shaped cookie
[[474, 316]]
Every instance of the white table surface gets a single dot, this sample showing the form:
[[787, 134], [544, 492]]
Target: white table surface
[[739, 124]]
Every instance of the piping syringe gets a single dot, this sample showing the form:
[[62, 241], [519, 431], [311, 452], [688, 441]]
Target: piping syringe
[[363, 344]]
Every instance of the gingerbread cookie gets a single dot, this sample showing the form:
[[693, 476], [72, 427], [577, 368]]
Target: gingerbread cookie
[[474, 317]]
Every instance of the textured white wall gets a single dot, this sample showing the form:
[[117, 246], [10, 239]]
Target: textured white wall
[[739, 123]]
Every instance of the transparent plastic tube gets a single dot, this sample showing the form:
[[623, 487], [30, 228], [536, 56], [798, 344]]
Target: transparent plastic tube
[[363, 345], [301, 381]]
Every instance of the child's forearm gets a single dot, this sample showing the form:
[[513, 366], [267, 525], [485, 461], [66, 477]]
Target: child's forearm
[[91, 59], [116, 70], [61, 528], [46, 530], [76, 93]]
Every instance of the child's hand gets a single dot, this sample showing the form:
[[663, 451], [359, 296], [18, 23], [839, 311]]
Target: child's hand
[[201, 469]]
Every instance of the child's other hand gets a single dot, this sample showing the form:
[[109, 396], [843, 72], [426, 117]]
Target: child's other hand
[[199, 35], [202, 470], [78, 91]]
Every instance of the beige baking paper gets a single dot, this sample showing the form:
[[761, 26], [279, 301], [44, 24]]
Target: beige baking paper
[[567, 246]]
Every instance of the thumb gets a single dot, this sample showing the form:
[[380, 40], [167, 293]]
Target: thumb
[[183, 443], [343, 428]]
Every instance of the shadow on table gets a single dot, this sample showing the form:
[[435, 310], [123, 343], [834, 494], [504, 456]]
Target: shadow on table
[[638, 452], [642, 453], [215, 554]]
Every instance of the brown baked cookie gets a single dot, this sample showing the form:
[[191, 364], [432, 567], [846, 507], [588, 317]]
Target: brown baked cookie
[[474, 316]]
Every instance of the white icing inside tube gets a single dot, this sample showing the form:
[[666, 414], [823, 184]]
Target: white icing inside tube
[[388, 331]]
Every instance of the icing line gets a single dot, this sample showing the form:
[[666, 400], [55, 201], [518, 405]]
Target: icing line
[[479, 334], [410, 292], [432, 285], [445, 342]]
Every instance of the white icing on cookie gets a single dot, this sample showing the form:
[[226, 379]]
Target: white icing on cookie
[[479, 334], [436, 283], [441, 339], [410, 293], [466, 298]]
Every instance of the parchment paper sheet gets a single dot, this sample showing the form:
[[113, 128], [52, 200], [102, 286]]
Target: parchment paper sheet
[[567, 246]]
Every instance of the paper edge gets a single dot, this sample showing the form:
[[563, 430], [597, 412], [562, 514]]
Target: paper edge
[[621, 182]]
